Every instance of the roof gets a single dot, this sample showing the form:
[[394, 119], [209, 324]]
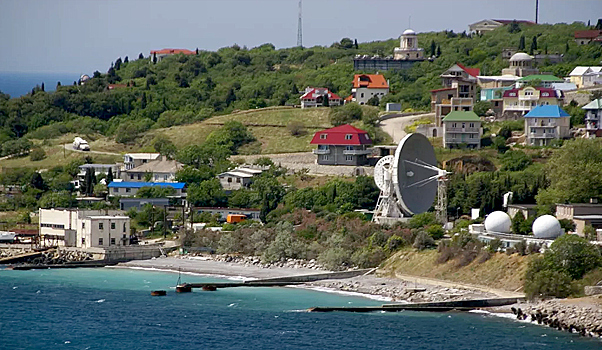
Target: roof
[[547, 111], [172, 52], [542, 77], [148, 156], [587, 34], [107, 217], [520, 56], [544, 91], [508, 21], [236, 174], [409, 31], [84, 166], [338, 136], [587, 217], [126, 184], [370, 81], [470, 71], [462, 116], [157, 166], [595, 104], [581, 70], [314, 93]]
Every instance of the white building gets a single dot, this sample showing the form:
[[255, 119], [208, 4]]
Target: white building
[[159, 170], [237, 178], [132, 160], [408, 47], [593, 117], [585, 76], [366, 86], [83, 228], [314, 97]]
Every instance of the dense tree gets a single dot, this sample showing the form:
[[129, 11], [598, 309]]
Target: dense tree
[[208, 193], [268, 194], [155, 192], [521, 43]]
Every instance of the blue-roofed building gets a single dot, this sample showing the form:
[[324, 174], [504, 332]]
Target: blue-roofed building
[[546, 123], [129, 189]]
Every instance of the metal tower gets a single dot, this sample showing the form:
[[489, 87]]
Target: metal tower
[[536, 11], [300, 27]]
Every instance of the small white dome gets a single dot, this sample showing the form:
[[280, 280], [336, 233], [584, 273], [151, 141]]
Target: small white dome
[[409, 32], [84, 77], [498, 222], [520, 56], [546, 226]]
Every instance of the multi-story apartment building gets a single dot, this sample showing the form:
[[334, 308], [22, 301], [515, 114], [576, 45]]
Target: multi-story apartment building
[[593, 117], [461, 128], [342, 145], [366, 86], [517, 102], [546, 123]]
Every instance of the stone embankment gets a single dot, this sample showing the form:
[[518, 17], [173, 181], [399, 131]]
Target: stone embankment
[[583, 319], [49, 257], [256, 261]]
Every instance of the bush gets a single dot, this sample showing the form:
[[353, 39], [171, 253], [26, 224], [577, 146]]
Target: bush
[[336, 258], [296, 128], [494, 245], [423, 220], [548, 283], [368, 257], [37, 154], [423, 241]]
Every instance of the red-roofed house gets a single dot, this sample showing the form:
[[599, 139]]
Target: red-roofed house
[[584, 37], [517, 102], [168, 52], [314, 97], [366, 86], [342, 145]]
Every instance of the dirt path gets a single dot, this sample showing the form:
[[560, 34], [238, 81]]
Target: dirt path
[[69, 147], [395, 127], [448, 284]]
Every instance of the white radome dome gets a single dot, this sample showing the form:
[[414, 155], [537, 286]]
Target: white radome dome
[[520, 56], [498, 222], [547, 227], [409, 32]]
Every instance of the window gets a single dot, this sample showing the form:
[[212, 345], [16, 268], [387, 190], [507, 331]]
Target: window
[[124, 230], [115, 190], [349, 148], [165, 177], [454, 125], [362, 95], [237, 180], [463, 125], [348, 137], [471, 125], [101, 226], [112, 241], [100, 242], [348, 158], [139, 177], [83, 225], [128, 190], [131, 176], [324, 157], [112, 226], [229, 180], [323, 136]]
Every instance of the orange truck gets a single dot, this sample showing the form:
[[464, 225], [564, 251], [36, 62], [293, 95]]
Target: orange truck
[[234, 218]]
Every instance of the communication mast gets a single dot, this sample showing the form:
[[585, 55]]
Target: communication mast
[[300, 27]]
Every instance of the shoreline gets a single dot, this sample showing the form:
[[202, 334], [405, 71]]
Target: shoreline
[[578, 316]]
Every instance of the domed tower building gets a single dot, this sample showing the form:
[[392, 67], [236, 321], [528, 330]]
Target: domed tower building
[[521, 65], [408, 47]]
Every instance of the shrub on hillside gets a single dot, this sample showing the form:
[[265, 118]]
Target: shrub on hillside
[[296, 128], [37, 154]]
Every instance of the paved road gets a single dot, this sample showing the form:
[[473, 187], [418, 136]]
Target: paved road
[[395, 126], [69, 147]]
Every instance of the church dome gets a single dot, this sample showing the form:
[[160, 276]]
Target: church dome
[[409, 32], [520, 56]]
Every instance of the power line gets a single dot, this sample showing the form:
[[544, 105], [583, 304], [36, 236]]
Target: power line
[[300, 27]]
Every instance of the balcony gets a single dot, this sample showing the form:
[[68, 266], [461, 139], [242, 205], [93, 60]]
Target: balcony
[[543, 136], [320, 151], [456, 101], [463, 130], [528, 98], [356, 152]]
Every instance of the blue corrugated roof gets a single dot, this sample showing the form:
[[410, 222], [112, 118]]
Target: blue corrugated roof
[[547, 111], [123, 184]]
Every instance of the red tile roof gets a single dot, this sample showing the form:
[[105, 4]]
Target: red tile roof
[[338, 136], [542, 90], [470, 71], [587, 34], [316, 92], [370, 81], [172, 52], [349, 98]]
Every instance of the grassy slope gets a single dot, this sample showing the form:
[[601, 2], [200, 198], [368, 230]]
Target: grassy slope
[[500, 272], [271, 139]]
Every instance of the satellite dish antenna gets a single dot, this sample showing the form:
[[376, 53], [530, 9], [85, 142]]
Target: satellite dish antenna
[[409, 181]]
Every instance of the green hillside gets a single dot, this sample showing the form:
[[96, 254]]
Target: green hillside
[[185, 89]]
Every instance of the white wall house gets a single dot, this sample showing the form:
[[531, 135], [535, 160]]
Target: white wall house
[[546, 123], [237, 178], [593, 118], [462, 128], [366, 86], [132, 160], [83, 228]]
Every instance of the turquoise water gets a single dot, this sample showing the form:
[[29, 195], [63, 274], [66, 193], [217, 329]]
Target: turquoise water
[[113, 309]]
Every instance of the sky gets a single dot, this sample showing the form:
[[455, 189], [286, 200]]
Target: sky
[[81, 36]]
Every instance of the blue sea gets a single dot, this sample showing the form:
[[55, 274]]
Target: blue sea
[[17, 84], [112, 309]]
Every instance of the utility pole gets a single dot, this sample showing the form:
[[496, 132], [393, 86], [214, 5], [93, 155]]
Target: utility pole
[[300, 27], [536, 11]]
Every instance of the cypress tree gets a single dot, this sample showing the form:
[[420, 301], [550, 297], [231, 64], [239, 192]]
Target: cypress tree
[[355, 44], [155, 58], [521, 43], [140, 56], [533, 46], [325, 101], [126, 59], [438, 50], [433, 48]]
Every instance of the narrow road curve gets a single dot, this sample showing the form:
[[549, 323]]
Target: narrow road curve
[[395, 126]]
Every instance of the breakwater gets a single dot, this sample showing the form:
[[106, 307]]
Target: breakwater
[[564, 315]]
